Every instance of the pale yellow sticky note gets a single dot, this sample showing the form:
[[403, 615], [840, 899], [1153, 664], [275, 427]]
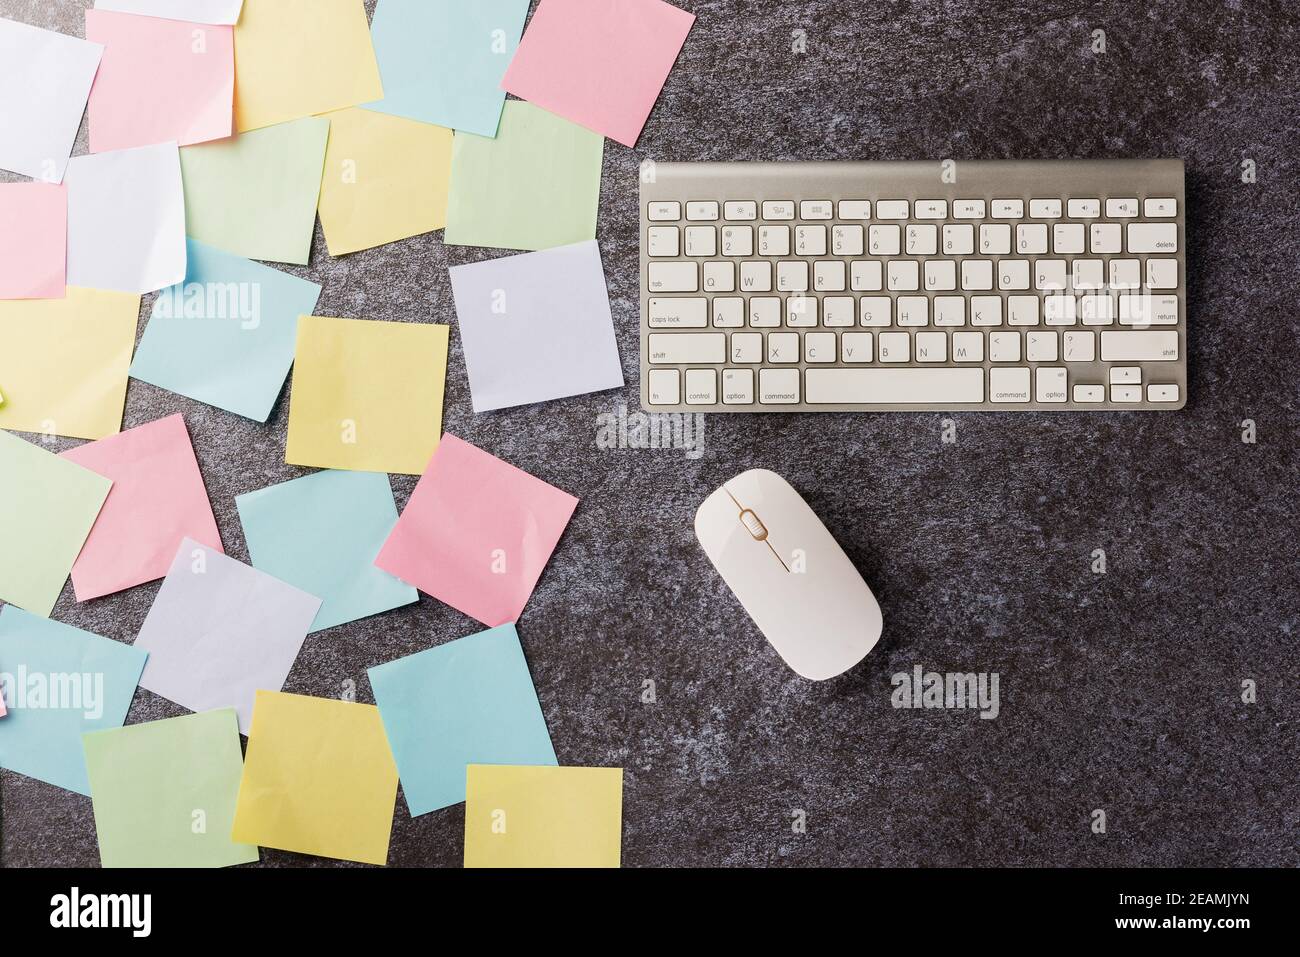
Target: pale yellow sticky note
[[318, 779], [296, 58], [543, 816], [366, 395], [386, 178], [64, 362]]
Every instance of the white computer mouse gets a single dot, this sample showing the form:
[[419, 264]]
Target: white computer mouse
[[787, 571]]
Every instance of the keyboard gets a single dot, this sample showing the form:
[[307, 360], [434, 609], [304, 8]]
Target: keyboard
[[894, 286]]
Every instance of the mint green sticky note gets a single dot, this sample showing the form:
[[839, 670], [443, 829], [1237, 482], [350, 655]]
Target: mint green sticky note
[[442, 61], [322, 533], [59, 682], [164, 792], [533, 187], [47, 507], [255, 194]]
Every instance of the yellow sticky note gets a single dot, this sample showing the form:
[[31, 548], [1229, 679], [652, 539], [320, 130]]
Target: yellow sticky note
[[386, 178], [64, 362], [367, 395], [318, 779], [543, 816], [296, 58]]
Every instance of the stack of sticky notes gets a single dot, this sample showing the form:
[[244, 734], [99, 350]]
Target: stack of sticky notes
[[219, 130]]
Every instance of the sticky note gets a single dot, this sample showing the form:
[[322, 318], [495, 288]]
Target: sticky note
[[164, 792], [442, 60], [126, 219], [194, 11], [602, 65], [226, 335], [255, 195], [366, 395], [159, 81], [470, 701], [47, 507], [63, 362], [536, 185], [321, 533], [157, 500], [59, 682], [477, 532], [296, 58], [385, 179], [33, 241], [219, 630], [543, 817], [45, 79], [536, 326], [318, 779]]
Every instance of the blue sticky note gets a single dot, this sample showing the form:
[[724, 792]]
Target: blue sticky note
[[59, 682], [322, 533], [442, 61], [470, 701], [226, 335]]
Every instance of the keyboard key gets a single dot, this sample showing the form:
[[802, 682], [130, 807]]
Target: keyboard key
[[891, 209], [701, 387], [959, 239], [1125, 375], [1005, 347], [701, 241], [1040, 346], [1013, 274], [778, 386], [720, 277], [884, 240], [1121, 208], [1106, 238], [876, 311], [1126, 393], [740, 211], [764, 312], [1050, 274], [1044, 209], [1008, 385], [774, 240], [847, 240], [1159, 209], [674, 277], [792, 276], [747, 347], [1139, 346], [1089, 273], [1031, 239], [816, 209], [665, 387], [986, 310], [995, 239], [895, 386], [1089, 393], [1059, 310], [1148, 310], [904, 275], [738, 240], [967, 347], [778, 209], [839, 311], [664, 211], [931, 209], [866, 276], [977, 274], [940, 275], [855, 347], [1084, 208], [783, 347], [819, 347], [1067, 239], [678, 313], [1162, 393], [922, 240], [1049, 384], [1079, 346], [1125, 273], [702, 211], [968, 209], [931, 347], [686, 348], [1022, 310], [913, 311], [1153, 237], [1097, 309], [950, 311], [728, 312], [1162, 273], [664, 241], [855, 209], [756, 276], [1008, 209], [810, 240], [894, 346], [737, 386], [829, 276], [801, 311]]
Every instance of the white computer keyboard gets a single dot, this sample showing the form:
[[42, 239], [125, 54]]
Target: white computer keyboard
[[770, 287]]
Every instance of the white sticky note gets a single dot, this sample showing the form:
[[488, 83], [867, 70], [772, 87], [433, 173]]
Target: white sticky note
[[45, 80], [195, 11], [536, 327], [126, 219]]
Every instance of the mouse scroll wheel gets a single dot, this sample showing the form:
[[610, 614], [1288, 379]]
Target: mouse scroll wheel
[[755, 527]]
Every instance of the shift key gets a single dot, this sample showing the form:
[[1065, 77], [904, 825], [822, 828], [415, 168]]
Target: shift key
[[1139, 346], [704, 348]]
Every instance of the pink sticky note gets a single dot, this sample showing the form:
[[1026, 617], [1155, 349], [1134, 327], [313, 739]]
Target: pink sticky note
[[156, 501], [599, 63], [477, 532], [159, 81], [33, 240]]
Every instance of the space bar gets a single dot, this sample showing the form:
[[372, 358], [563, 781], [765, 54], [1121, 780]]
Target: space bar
[[893, 386]]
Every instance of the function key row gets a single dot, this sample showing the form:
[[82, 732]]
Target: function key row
[[899, 209]]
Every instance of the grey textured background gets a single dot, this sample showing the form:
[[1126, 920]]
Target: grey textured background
[[1119, 691]]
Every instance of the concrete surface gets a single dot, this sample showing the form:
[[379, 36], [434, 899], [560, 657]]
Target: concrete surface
[[1120, 692]]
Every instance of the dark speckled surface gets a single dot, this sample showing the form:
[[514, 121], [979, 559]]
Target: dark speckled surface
[[1119, 692]]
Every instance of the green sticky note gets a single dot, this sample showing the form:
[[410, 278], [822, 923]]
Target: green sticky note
[[255, 194], [47, 506], [535, 186], [164, 792]]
